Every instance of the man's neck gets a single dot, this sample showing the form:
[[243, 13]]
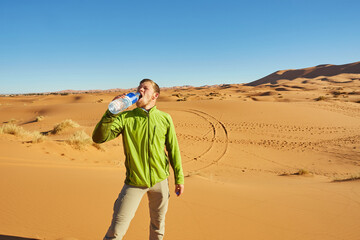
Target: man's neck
[[149, 106]]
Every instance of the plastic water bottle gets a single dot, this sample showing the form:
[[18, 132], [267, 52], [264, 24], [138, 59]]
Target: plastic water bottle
[[120, 104]]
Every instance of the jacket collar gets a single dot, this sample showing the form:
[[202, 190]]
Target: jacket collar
[[153, 109], [142, 110]]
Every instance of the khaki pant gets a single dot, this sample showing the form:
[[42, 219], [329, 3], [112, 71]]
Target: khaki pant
[[127, 203]]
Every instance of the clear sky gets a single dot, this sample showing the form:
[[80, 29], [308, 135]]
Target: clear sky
[[53, 45]]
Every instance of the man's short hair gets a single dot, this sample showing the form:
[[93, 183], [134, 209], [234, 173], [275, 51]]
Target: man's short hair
[[155, 86]]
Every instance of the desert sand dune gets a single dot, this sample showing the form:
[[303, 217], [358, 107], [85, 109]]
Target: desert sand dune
[[311, 72], [274, 161]]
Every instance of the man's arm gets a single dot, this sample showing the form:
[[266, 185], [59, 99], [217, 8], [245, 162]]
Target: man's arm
[[109, 127], [172, 147]]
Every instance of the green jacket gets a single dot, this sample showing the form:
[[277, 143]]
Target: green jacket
[[145, 136]]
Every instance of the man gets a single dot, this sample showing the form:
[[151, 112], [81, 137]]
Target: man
[[146, 132]]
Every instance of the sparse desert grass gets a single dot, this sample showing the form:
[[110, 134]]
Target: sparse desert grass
[[39, 118], [68, 123], [80, 140], [13, 129], [302, 172], [178, 95], [36, 137], [347, 179], [298, 173], [321, 98], [12, 120]]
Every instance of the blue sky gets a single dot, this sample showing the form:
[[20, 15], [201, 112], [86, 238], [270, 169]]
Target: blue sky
[[71, 44]]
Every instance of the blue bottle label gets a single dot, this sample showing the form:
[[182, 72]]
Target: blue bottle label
[[133, 97]]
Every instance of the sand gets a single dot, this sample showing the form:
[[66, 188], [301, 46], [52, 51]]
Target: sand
[[273, 161]]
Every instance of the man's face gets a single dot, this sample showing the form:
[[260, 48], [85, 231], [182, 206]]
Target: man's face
[[148, 94]]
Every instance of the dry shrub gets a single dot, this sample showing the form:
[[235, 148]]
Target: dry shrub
[[302, 172], [351, 178], [299, 173], [13, 121], [37, 137], [68, 123], [39, 118], [15, 130], [80, 140], [321, 98]]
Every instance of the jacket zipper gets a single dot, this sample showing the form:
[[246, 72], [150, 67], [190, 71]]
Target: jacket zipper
[[149, 147], [152, 142]]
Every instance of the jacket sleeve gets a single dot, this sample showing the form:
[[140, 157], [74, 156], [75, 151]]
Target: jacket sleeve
[[173, 150], [109, 127]]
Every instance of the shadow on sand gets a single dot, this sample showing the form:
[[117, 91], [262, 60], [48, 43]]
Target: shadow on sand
[[5, 237]]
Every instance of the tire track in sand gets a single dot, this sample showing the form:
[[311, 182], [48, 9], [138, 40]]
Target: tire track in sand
[[213, 137], [218, 145]]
